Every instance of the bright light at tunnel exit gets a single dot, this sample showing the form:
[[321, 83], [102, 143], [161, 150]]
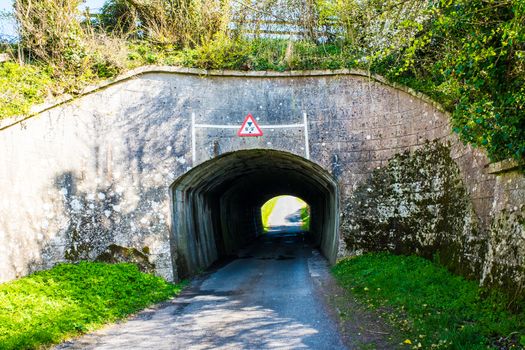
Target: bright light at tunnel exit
[[285, 213]]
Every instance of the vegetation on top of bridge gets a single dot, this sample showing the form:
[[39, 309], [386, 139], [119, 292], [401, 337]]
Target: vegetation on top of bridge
[[430, 307], [468, 55], [70, 299]]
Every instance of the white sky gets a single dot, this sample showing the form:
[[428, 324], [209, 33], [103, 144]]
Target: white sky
[[92, 4], [7, 27]]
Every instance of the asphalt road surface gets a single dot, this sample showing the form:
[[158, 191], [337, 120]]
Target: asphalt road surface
[[267, 298]]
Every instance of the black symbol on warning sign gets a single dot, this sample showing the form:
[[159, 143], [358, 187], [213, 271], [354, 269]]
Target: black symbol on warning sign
[[249, 127]]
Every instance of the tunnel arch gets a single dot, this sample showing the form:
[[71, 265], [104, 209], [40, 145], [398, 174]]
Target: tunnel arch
[[215, 206]]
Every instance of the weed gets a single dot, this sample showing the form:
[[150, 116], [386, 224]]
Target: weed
[[21, 87], [50, 306]]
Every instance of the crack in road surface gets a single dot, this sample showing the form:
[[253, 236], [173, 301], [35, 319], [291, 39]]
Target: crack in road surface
[[250, 303]]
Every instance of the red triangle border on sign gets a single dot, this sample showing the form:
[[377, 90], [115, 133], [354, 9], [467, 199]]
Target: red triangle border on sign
[[249, 117]]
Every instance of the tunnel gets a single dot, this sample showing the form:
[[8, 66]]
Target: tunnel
[[216, 205]]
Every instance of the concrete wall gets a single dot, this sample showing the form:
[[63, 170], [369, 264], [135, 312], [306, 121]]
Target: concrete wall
[[418, 203], [505, 257], [96, 170]]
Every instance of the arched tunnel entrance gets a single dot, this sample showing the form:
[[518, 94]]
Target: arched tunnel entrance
[[217, 205]]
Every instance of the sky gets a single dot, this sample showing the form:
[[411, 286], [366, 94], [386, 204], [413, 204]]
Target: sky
[[7, 27]]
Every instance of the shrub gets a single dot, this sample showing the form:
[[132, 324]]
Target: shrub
[[470, 55], [185, 23], [21, 87], [51, 32]]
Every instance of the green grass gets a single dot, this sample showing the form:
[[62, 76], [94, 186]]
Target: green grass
[[243, 54], [305, 217], [430, 307], [70, 299]]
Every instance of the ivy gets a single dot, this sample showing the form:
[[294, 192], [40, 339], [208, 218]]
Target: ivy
[[471, 58]]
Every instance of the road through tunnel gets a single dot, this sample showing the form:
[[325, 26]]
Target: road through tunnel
[[216, 205]]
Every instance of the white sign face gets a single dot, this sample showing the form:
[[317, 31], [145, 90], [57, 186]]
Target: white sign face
[[249, 128]]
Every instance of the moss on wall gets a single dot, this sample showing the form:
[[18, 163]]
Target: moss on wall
[[417, 204], [115, 254], [506, 244]]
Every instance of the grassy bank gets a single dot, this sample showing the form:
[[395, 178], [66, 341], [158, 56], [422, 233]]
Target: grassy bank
[[431, 308], [27, 85], [70, 299]]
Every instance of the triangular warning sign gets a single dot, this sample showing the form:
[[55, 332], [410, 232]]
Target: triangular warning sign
[[249, 128]]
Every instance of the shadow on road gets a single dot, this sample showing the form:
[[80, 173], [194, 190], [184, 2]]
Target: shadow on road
[[263, 299]]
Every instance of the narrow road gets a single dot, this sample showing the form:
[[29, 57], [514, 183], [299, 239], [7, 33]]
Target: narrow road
[[265, 299]]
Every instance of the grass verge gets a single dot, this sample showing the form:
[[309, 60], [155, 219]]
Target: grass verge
[[431, 308], [70, 299], [305, 217]]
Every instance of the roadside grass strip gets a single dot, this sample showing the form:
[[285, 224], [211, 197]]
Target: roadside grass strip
[[430, 307], [50, 306]]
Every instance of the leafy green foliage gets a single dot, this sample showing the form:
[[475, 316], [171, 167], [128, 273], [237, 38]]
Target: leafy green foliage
[[21, 87], [266, 210], [432, 308], [50, 306], [305, 217], [470, 56]]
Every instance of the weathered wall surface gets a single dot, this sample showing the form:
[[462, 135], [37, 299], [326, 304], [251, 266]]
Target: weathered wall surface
[[81, 176], [418, 203], [505, 257], [95, 171]]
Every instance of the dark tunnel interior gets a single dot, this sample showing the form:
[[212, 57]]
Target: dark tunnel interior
[[216, 205]]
